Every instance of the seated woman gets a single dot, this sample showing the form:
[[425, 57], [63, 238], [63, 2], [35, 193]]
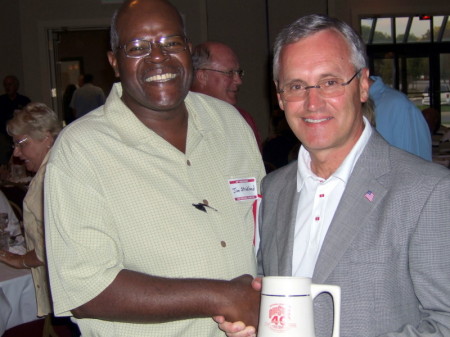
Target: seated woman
[[34, 129]]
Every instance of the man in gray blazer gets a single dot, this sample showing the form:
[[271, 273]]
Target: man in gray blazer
[[352, 211]]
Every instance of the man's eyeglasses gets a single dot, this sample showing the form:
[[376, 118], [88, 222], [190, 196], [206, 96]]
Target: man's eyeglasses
[[328, 88], [230, 74], [141, 48], [20, 143]]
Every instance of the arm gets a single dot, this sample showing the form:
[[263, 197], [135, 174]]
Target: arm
[[29, 260], [106, 289], [136, 297], [91, 277]]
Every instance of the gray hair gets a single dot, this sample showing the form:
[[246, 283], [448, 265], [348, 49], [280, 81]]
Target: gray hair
[[311, 24], [35, 120], [201, 56]]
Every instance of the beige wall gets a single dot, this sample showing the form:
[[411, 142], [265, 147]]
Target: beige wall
[[36, 17], [249, 26]]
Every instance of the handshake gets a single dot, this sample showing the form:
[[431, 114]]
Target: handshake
[[286, 309]]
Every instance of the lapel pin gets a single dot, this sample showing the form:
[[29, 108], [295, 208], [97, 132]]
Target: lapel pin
[[369, 195]]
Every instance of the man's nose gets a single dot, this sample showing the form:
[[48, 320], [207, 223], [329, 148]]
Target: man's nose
[[313, 98], [157, 54], [237, 79]]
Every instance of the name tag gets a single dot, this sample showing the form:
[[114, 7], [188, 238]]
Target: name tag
[[243, 189]]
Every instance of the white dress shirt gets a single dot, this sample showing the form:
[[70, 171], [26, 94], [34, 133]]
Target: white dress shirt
[[319, 199]]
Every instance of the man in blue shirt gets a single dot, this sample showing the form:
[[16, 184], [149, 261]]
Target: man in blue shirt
[[398, 120]]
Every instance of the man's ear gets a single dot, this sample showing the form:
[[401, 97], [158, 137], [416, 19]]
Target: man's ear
[[280, 100], [113, 62], [364, 85], [201, 77]]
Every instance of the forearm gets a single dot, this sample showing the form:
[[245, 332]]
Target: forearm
[[29, 260], [140, 298]]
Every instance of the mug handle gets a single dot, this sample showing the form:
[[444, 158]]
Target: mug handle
[[335, 292]]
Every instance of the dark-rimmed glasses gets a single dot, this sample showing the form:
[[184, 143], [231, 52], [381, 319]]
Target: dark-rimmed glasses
[[141, 48], [328, 88], [230, 73]]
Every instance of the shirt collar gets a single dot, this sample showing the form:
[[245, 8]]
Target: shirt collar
[[344, 170], [136, 132]]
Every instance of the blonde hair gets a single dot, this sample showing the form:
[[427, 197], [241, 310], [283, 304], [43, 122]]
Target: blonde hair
[[35, 120]]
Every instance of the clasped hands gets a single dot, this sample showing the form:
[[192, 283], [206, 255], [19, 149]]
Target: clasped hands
[[242, 318]]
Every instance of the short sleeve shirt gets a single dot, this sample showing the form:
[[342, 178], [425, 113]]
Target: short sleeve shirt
[[118, 196]]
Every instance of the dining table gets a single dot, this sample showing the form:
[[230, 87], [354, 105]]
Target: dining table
[[17, 297]]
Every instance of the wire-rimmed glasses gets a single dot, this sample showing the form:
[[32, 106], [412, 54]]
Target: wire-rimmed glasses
[[328, 88], [20, 143], [168, 44], [230, 73]]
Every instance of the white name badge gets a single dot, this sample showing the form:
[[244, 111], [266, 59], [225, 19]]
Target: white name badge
[[243, 189]]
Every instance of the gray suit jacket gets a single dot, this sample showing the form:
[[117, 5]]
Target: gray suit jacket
[[390, 256]]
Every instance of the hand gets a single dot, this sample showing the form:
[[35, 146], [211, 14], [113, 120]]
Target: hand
[[236, 329], [257, 283], [239, 328], [244, 303]]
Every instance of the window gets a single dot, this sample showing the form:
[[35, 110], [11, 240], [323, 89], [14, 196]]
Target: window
[[412, 54], [412, 29]]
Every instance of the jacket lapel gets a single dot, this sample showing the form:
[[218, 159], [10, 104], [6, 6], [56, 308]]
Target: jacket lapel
[[362, 195], [287, 215]]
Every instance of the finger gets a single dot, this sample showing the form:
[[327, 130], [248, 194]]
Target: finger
[[219, 319], [257, 283], [232, 327], [249, 331]]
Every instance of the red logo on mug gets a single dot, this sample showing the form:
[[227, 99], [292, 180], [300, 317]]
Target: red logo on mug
[[280, 317]]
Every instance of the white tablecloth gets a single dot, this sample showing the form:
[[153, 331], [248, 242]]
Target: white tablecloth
[[17, 297]]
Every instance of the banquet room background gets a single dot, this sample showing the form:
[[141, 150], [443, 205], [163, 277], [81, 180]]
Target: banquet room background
[[31, 31]]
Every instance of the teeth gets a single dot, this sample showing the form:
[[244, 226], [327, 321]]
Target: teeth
[[308, 120], [160, 78]]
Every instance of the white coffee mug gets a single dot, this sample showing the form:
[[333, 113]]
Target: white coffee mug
[[287, 306]]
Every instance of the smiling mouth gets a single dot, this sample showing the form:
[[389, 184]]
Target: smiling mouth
[[160, 78], [315, 121]]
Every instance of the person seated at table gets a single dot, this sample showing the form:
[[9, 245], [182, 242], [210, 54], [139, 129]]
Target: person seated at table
[[33, 129], [13, 223]]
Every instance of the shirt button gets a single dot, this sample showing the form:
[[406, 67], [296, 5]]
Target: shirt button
[[188, 162], [223, 244]]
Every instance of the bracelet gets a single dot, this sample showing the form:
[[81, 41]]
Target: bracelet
[[24, 264]]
